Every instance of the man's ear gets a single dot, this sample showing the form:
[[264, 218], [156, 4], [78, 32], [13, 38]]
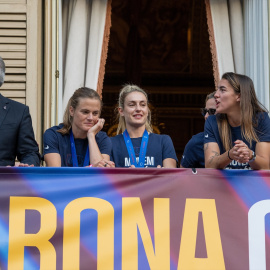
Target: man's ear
[[71, 111], [120, 110]]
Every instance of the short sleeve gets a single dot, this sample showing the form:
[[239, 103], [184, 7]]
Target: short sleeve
[[188, 155], [263, 130], [104, 143], [168, 150], [209, 133], [51, 143]]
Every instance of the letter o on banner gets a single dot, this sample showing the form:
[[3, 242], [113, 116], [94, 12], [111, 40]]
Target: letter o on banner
[[256, 234]]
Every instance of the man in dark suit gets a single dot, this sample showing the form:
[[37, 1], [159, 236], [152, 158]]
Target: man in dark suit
[[17, 137]]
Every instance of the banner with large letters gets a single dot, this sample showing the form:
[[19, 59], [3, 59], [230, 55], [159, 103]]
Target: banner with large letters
[[160, 219]]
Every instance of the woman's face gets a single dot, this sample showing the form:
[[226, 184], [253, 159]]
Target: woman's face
[[135, 109], [85, 115], [226, 99]]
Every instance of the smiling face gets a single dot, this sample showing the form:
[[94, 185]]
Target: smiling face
[[85, 115], [135, 109], [226, 99]]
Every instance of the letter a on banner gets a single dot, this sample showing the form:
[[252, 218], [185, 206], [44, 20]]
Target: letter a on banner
[[133, 219], [187, 259], [18, 239]]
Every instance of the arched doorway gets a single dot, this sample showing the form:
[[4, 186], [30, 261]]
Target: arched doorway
[[163, 46]]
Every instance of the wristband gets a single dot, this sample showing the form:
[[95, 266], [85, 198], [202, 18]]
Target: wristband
[[253, 156], [229, 155]]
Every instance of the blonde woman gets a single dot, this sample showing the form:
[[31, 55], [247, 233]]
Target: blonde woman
[[136, 145], [238, 136]]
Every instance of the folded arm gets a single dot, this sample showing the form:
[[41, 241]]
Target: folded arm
[[262, 159], [52, 160], [169, 163], [212, 156]]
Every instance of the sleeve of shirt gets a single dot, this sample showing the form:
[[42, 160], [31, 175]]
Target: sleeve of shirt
[[51, 143], [104, 143], [209, 135], [168, 150], [264, 128], [187, 158]]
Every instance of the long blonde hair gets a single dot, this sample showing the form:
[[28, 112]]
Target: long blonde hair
[[83, 92], [250, 107], [127, 89]]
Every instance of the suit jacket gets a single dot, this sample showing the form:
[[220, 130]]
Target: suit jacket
[[17, 137]]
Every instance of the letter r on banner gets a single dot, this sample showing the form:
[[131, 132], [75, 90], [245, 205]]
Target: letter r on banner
[[18, 239]]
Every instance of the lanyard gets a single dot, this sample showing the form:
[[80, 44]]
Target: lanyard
[[131, 152], [74, 154]]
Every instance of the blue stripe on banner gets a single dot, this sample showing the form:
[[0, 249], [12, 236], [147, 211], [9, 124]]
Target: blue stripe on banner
[[3, 243], [254, 190], [29, 263]]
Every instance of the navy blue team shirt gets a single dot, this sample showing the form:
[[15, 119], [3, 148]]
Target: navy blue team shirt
[[159, 148], [55, 142], [193, 156], [211, 134]]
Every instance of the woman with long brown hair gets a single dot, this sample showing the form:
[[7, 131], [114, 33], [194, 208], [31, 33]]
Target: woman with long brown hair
[[79, 141], [238, 136]]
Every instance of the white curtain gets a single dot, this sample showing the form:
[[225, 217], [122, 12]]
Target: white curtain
[[242, 40], [257, 47], [227, 19], [83, 23]]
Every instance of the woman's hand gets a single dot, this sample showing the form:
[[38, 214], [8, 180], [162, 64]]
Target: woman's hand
[[25, 165], [105, 164], [97, 127], [262, 151], [240, 152]]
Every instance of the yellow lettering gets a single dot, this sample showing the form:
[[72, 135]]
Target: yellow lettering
[[187, 258], [133, 217], [105, 239], [18, 239]]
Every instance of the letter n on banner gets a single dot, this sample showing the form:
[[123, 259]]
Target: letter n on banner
[[214, 250], [18, 239], [133, 219]]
